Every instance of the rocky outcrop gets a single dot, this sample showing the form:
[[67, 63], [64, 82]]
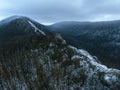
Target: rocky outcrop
[[54, 65]]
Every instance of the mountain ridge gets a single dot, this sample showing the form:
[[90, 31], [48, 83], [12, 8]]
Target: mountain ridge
[[19, 25], [49, 63], [101, 39], [38, 61]]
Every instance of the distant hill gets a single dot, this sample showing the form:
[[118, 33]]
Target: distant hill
[[16, 26]]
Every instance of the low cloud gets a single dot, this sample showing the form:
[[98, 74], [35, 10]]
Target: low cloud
[[51, 11]]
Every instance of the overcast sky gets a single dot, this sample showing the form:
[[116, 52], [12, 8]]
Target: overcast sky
[[51, 11]]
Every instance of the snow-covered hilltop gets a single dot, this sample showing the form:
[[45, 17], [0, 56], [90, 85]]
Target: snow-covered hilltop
[[15, 26], [50, 64]]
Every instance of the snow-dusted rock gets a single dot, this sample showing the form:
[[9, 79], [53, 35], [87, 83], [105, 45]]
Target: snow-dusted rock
[[53, 65]]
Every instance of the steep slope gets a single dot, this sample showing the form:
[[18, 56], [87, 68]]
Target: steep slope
[[50, 64], [16, 26], [99, 38]]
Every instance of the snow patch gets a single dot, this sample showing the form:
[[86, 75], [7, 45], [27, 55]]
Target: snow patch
[[110, 78], [36, 29], [93, 61], [85, 53], [75, 57]]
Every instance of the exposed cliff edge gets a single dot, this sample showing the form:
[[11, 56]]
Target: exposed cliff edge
[[48, 63]]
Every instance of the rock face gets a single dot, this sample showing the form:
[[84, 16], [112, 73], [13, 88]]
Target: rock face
[[51, 64]]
